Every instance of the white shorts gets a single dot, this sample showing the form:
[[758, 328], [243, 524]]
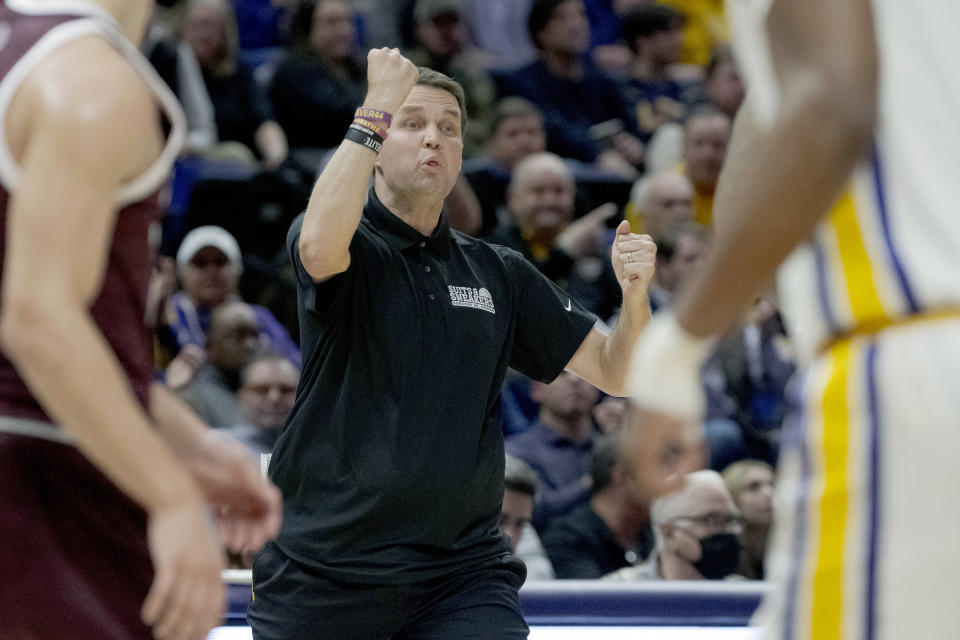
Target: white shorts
[[867, 537]]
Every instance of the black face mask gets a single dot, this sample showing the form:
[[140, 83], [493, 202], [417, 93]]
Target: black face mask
[[719, 557]]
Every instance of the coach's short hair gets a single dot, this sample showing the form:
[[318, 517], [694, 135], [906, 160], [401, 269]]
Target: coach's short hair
[[431, 78]]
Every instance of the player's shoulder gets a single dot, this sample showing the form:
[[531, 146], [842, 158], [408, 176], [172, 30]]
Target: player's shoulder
[[87, 82]]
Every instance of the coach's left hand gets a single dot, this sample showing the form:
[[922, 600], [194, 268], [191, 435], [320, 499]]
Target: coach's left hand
[[633, 257]]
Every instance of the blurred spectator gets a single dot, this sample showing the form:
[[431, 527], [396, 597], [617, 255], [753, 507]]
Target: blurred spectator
[[606, 44], [442, 46], [696, 530], [746, 380], [318, 86], [723, 87], [241, 111], [175, 62], [705, 28], [498, 28], [559, 445], [260, 22], [516, 131], [750, 482], [653, 33], [660, 201], [541, 199], [679, 253], [608, 414], [608, 534], [586, 115], [519, 489], [519, 495], [268, 387], [385, 22], [209, 264], [706, 134], [233, 340]]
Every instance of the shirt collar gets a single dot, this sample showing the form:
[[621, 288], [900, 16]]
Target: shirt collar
[[401, 235]]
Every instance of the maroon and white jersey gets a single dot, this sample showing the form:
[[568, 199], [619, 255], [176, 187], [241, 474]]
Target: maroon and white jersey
[[30, 32]]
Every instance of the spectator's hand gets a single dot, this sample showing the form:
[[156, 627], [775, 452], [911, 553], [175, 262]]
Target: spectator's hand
[[246, 508], [611, 161], [162, 281], [608, 414], [633, 257], [390, 77], [629, 147], [187, 597], [184, 366], [583, 236]]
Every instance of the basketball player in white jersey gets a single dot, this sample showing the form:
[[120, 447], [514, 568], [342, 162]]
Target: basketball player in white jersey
[[844, 171], [105, 477]]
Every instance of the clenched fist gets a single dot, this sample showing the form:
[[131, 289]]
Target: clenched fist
[[390, 77]]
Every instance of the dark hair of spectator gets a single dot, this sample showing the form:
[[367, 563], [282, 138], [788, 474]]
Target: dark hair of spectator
[[540, 13], [301, 22], [646, 20], [512, 107], [298, 32], [606, 457], [431, 78], [519, 477]]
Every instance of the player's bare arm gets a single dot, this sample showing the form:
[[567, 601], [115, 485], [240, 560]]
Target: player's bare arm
[[773, 191], [245, 507], [336, 203], [80, 128], [778, 181]]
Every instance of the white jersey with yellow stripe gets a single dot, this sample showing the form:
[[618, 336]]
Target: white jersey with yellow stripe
[[890, 247]]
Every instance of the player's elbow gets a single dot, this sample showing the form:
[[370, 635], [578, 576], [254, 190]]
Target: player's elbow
[[23, 322], [841, 102]]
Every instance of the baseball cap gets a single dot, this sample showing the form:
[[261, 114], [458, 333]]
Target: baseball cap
[[208, 236], [425, 9]]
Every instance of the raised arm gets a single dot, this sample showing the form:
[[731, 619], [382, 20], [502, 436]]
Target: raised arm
[[336, 203], [80, 127]]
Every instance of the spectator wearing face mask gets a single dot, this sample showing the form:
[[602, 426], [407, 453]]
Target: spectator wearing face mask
[[696, 530]]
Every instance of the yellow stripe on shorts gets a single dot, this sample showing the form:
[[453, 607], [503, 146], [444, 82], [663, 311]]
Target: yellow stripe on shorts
[[828, 583], [858, 276]]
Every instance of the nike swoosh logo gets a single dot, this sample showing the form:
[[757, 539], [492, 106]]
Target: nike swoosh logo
[[569, 307]]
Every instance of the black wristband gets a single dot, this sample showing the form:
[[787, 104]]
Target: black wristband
[[364, 136]]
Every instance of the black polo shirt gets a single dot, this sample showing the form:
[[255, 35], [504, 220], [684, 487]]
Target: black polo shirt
[[391, 464]]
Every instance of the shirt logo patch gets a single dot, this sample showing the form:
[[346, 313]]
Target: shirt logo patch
[[472, 298]]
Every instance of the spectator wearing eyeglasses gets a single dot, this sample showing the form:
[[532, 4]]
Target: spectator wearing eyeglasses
[[268, 387], [696, 532]]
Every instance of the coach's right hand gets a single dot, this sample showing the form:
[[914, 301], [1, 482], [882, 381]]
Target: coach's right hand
[[187, 597], [390, 77]]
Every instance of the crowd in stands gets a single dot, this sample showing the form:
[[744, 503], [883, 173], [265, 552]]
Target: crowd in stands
[[581, 113]]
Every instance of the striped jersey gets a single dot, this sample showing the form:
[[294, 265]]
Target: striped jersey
[[890, 246]]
